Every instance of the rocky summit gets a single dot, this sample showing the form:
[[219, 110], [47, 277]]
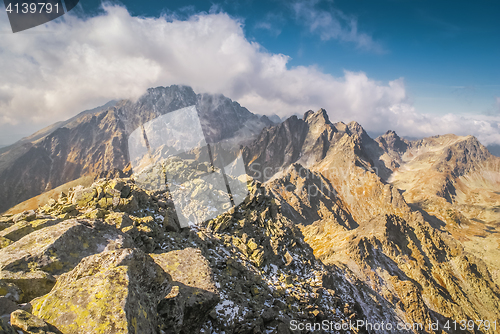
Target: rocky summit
[[336, 232], [112, 258]]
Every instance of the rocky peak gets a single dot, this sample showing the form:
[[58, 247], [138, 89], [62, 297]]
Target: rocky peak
[[463, 156], [341, 126], [320, 116], [276, 147], [356, 128], [185, 93], [295, 140], [96, 141], [221, 118], [391, 141]]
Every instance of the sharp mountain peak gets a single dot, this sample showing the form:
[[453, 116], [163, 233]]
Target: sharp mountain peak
[[319, 116]]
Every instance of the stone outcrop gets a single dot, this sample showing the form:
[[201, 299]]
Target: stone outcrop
[[194, 293], [30, 324], [111, 292]]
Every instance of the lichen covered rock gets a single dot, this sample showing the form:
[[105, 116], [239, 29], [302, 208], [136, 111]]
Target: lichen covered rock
[[111, 292], [23, 228], [32, 261], [194, 294], [4, 242], [29, 324]]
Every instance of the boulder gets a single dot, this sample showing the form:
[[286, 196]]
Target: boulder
[[119, 219], [10, 291], [26, 215], [23, 228], [170, 221], [6, 221], [32, 283], [194, 294], [30, 262], [112, 292], [7, 306], [82, 196], [28, 323]]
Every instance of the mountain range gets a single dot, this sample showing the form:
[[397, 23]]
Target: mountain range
[[336, 227], [96, 141]]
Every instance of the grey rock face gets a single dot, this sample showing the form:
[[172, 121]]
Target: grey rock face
[[95, 142]]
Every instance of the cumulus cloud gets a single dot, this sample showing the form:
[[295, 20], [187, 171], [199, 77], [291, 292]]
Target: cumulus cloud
[[333, 24], [51, 72]]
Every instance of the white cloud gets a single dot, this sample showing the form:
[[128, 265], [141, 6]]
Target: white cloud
[[333, 24], [406, 121], [51, 72]]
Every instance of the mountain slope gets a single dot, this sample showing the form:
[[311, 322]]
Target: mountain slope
[[456, 181], [354, 219], [95, 141]]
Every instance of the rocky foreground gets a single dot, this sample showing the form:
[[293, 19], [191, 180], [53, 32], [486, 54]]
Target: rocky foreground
[[111, 258]]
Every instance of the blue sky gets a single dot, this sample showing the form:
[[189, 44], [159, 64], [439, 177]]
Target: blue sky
[[447, 51], [420, 68]]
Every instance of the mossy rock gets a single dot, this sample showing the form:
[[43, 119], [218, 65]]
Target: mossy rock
[[81, 197], [106, 203], [112, 292], [5, 222], [59, 248], [128, 205], [116, 185], [187, 266], [10, 291], [68, 208], [28, 215], [252, 245], [119, 220], [257, 257]]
